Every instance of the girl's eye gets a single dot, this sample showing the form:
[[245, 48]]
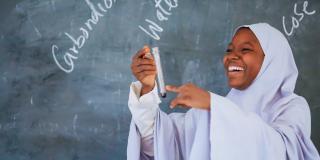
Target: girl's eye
[[228, 50], [246, 50]]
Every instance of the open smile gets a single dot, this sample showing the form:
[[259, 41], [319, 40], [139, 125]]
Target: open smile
[[234, 70]]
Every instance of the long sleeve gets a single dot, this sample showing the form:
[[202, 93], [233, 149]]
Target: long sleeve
[[144, 110], [239, 134], [156, 135]]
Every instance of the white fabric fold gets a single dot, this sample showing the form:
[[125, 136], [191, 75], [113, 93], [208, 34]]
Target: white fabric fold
[[144, 111], [144, 108], [239, 134]]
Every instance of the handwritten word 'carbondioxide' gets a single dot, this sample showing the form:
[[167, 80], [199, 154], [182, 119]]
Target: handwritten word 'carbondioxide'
[[162, 15], [295, 22], [71, 55]]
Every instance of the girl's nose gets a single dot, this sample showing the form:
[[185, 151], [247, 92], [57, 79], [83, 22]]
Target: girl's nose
[[233, 56]]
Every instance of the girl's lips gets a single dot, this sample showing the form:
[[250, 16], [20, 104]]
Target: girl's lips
[[233, 68], [231, 74]]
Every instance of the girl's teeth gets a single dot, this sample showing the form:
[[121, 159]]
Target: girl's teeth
[[235, 68]]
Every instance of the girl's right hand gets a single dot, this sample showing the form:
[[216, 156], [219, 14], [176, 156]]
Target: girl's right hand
[[144, 69]]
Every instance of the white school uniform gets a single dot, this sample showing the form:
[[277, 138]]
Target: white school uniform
[[265, 121]]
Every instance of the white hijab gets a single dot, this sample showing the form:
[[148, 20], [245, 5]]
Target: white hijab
[[271, 95], [276, 80]]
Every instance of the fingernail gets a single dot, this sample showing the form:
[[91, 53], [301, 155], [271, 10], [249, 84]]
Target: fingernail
[[171, 106]]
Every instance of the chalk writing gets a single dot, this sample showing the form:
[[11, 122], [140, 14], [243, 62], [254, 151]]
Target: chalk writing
[[162, 15], [97, 11], [295, 20]]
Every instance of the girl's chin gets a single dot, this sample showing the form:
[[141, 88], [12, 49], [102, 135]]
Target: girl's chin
[[236, 84]]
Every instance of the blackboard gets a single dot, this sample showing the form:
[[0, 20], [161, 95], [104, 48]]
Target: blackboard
[[80, 112]]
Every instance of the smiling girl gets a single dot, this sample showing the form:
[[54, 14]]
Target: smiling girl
[[260, 118]]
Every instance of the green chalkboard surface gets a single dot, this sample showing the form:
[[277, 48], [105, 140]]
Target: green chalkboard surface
[[65, 65]]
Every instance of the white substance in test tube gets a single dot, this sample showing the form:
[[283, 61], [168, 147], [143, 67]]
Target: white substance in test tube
[[161, 84]]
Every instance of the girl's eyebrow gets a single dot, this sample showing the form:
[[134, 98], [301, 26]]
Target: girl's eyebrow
[[248, 43]]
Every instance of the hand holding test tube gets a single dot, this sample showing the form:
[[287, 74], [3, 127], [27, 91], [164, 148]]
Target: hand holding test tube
[[160, 79]]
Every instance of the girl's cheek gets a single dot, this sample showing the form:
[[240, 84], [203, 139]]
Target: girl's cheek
[[224, 60]]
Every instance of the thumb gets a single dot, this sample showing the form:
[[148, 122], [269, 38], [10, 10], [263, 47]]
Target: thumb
[[177, 101]]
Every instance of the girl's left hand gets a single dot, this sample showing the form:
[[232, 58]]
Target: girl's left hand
[[189, 95]]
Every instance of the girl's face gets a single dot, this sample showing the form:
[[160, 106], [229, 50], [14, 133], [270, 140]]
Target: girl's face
[[243, 59]]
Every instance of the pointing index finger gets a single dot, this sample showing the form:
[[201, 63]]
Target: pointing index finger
[[178, 101], [171, 88]]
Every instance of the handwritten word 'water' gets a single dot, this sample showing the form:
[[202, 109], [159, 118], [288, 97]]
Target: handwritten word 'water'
[[162, 15], [295, 22], [97, 11]]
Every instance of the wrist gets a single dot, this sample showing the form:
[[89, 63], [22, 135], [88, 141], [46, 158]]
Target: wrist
[[146, 89]]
